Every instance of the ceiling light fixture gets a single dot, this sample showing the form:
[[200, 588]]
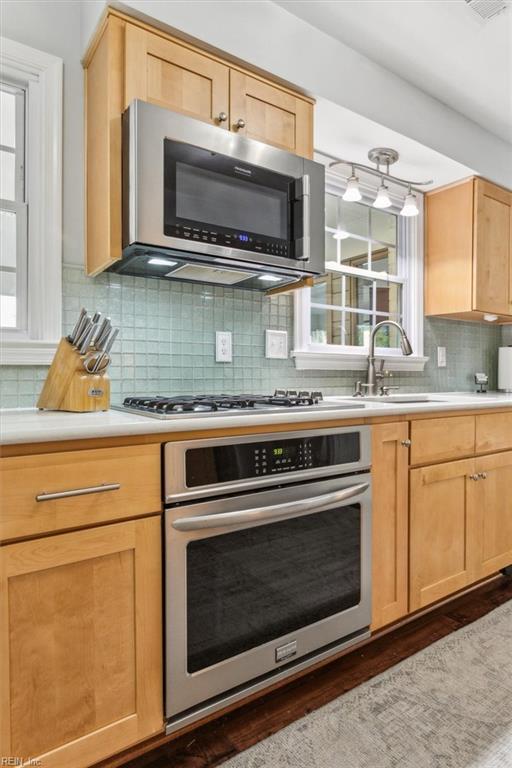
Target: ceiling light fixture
[[352, 193], [270, 278], [381, 156], [410, 207]]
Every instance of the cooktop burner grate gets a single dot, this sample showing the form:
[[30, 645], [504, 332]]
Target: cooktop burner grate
[[213, 403]]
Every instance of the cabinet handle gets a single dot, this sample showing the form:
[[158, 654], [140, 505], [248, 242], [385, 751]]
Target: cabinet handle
[[482, 475], [474, 477], [78, 492], [222, 117], [240, 123], [406, 443]]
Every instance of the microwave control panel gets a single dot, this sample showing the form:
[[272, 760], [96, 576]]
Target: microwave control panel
[[242, 240]]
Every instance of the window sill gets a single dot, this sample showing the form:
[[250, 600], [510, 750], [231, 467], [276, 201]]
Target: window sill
[[308, 360], [27, 352]]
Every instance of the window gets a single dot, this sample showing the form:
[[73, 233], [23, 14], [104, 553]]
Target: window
[[13, 209], [30, 203], [373, 273]]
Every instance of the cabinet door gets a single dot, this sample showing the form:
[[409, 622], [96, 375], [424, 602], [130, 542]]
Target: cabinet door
[[442, 531], [390, 523], [174, 76], [494, 513], [270, 114], [81, 643], [492, 284], [103, 109]]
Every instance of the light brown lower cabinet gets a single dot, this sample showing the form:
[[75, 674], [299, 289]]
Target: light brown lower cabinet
[[390, 523], [493, 506], [442, 531], [81, 643]]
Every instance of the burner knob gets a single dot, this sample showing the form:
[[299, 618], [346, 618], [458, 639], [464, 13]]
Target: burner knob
[[280, 393], [317, 396], [304, 393], [291, 393]]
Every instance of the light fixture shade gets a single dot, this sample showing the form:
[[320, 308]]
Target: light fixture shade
[[382, 200], [352, 193], [410, 207], [341, 235]]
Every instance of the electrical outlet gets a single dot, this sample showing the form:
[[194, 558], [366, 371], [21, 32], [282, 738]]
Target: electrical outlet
[[276, 344], [441, 357], [223, 347]]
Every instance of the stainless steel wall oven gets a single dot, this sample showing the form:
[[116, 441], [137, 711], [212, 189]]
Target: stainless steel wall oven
[[268, 561]]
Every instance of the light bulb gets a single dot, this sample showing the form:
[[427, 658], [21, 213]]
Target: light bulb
[[382, 200], [163, 262], [410, 207], [341, 235], [352, 193], [269, 278]]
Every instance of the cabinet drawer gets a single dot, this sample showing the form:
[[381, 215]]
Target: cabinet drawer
[[493, 432], [51, 492], [442, 439]]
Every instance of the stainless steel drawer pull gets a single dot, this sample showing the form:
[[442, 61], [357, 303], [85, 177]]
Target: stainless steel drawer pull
[[288, 509], [78, 492]]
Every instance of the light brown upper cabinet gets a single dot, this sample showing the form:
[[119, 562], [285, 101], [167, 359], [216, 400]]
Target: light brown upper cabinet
[[468, 260], [168, 74], [261, 111], [129, 60]]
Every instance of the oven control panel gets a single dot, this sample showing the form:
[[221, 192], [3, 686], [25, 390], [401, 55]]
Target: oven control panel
[[239, 461]]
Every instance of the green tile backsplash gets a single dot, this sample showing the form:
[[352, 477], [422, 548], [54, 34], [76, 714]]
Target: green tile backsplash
[[167, 343]]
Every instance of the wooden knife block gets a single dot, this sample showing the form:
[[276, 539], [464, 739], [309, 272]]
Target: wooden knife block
[[68, 386]]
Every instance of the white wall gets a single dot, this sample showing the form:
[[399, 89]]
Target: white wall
[[267, 36], [54, 27]]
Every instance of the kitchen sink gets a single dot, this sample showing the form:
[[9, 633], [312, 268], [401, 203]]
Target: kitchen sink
[[412, 398]]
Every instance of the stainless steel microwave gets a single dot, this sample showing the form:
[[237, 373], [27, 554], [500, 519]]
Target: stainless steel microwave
[[202, 204]]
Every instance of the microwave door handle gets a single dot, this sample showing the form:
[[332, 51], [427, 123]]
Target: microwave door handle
[[306, 219], [288, 509]]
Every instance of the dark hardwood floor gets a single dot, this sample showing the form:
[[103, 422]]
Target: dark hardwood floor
[[216, 741]]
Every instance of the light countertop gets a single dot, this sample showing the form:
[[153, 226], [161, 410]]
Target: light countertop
[[28, 425]]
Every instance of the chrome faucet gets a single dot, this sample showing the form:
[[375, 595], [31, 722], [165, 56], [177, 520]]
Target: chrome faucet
[[373, 375]]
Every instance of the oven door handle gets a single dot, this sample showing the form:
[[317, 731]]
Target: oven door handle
[[288, 509]]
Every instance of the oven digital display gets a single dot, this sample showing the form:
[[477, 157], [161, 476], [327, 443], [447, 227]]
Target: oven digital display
[[227, 463]]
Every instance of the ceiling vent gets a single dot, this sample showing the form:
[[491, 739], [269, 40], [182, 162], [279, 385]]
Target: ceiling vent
[[488, 9]]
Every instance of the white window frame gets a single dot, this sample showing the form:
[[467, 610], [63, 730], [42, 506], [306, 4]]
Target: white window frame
[[313, 356], [41, 74]]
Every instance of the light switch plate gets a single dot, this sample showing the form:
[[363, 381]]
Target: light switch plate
[[441, 357], [276, 344], [223, 347]]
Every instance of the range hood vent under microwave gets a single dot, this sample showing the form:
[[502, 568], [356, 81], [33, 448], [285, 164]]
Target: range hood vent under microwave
[[202, 204]]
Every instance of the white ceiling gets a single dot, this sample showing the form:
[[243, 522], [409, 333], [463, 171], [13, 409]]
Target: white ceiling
[[441, 47], [347, 135]]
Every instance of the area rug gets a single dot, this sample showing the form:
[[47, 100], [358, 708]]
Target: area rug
[[448, 706]]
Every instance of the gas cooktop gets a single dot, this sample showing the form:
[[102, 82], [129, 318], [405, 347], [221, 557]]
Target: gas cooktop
[[228, 405]]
